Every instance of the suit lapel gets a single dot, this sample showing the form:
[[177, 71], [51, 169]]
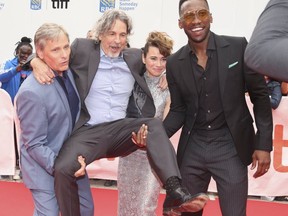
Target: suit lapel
[[94, 61], [64, 100], [223, 53]]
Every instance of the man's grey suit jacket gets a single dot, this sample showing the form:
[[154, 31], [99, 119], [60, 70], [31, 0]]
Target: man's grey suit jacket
[[84, 62], [46, 122], [267, 51]]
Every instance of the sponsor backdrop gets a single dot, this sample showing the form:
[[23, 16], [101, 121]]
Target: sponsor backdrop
[[22, 17]]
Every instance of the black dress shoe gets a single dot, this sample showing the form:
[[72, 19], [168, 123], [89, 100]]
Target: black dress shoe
[[180, 200]]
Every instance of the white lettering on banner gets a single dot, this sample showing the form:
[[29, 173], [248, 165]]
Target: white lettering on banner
[[273, 183], [285, 156], [103, 9]]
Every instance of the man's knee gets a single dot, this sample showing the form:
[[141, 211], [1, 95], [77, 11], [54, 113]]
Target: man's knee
[[64, 167], [154, 123]]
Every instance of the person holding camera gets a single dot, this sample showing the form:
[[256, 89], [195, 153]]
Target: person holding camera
[[13, 71]]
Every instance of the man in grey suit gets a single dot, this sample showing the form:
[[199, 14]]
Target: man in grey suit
[[47, 114], [267, 50], [207, 79], [105, 73]]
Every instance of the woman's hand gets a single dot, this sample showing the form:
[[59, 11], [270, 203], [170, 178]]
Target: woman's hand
[[163, 84]]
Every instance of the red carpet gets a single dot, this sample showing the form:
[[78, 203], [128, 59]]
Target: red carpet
[[16, 200]]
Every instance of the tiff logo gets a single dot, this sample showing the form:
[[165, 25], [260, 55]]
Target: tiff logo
[[60, 4]]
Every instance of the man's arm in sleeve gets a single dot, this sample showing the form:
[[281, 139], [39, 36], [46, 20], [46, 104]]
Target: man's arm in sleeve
[[267, 51]]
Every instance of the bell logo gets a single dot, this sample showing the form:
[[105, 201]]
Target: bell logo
[[60, 4]]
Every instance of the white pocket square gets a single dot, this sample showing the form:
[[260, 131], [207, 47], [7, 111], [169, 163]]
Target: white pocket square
[[233, 64]]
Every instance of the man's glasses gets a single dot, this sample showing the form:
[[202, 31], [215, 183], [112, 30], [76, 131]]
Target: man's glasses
[[190, 16]]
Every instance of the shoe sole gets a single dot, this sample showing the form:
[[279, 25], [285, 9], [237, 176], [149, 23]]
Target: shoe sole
[[171, 212], [195, 204]]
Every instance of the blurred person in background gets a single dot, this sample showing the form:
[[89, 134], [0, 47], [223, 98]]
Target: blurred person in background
[[267, 52], [13, 71], [12, 74], [275, 93]]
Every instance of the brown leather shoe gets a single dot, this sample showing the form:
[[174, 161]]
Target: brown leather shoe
[[180, 200]]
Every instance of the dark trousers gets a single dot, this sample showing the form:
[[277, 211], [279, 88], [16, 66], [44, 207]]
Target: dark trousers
[[16, 147], [213, 154], [111, 139]]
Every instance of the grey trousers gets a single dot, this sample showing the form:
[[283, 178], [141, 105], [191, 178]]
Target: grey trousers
[[110, 139], [213, 154]]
